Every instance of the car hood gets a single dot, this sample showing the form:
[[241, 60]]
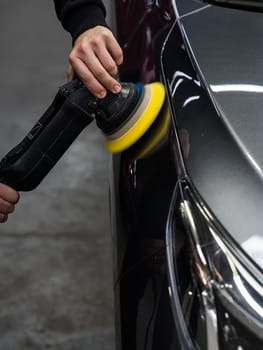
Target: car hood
[[226, 47]]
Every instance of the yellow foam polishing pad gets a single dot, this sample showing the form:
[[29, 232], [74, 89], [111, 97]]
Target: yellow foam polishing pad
[[156, 137], [140, 122]]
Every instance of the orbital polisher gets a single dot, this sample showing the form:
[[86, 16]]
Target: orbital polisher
[[122, 117]]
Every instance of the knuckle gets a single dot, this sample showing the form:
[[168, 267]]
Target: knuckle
[[111, 68], [13, 198], [10, 208], [106, 34], [16, 198], [86, 78], [119, 57], [6, 207], [82, 48], [72, 57], [101, 74], [9, 195], [95, 42]]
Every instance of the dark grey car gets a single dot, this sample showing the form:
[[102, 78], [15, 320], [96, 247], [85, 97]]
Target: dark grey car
[[187, 199]]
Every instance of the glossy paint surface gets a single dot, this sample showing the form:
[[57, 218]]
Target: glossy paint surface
[[142, 183], [197, 145], [237, 88], [207, 146], [224, 127], [142, 28], [141, 197], [184, 7], [255, 5]]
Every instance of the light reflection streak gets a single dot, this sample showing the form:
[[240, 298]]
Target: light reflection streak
[[254, 247], [190, 99], [253, 162], [178, 79], [194, 232], [237, 88], [178, 83], [236, 276]]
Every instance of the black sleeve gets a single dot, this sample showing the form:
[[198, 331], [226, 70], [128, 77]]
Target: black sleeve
[[77, 16]]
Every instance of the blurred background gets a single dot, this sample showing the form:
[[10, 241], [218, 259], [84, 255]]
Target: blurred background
[[55, 250]]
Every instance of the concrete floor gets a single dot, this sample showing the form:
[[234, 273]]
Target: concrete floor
[[55, 250]]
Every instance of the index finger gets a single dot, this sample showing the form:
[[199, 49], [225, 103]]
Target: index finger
[[115, 50]]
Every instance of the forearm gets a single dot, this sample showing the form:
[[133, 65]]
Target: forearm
[[79, 15]]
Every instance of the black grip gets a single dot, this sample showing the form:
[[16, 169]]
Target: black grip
[[25, 166]]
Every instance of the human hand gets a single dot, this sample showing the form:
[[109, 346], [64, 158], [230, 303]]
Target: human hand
[[8, 199], [95, 58]]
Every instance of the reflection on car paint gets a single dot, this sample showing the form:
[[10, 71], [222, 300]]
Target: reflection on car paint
[[213, 149], [220, 276], [254, 247], [237, 87], [143, 41]]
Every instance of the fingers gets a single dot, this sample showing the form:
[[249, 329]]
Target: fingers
[[70, 73], [115, 50], [88, 78], [6, 207], [95, 59], [8, 194], [96, 78], [104, 61], [3, 217], [8, 198]]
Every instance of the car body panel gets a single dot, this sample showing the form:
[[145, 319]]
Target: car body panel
[[184, 7], [139, 228], [126, 169], [196, 145], [204, 27], [142, 42], [217, 176]]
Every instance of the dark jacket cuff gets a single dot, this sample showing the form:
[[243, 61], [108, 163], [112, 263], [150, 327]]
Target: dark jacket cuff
[[78, 19]]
